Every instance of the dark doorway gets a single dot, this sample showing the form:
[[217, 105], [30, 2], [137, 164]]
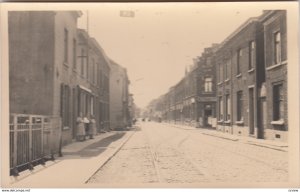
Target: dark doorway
[[251, 111], [207, 113], [262, 117]]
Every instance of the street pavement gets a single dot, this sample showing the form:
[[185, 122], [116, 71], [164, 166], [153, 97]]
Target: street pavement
[[164, 153], [153, 154]]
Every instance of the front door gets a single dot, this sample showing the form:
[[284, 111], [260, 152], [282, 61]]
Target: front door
[[251, 111], [262, 117], [207, 113]]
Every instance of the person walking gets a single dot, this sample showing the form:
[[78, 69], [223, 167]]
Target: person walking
[[80, 135]]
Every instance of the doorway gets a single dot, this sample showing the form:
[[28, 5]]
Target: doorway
[[262, 117], [207, 113], [251, 111]]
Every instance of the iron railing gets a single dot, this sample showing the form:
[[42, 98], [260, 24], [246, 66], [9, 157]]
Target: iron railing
[[34, 139]]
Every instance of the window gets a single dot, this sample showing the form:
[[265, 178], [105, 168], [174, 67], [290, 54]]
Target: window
[[66, 37], [220, 108], [96, 73], [251, 54], [220, 72], [238, 63], [278, 104], [74, 54], [82, 57], [227, 106], [277, 48], [93, 70], [227, 70], [208, 84], [240, 106], [92, 105]]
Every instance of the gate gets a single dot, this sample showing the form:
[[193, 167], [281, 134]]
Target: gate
[[34, 139]]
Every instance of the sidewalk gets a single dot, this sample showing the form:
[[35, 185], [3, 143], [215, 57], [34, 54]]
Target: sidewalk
[[276, 145], [79, 162]]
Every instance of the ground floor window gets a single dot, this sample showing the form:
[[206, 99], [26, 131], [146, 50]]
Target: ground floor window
[[220, 108], [227, 106], [240, 106], [278, 104]]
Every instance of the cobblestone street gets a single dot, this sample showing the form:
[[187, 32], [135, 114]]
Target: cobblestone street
[[163, 153]]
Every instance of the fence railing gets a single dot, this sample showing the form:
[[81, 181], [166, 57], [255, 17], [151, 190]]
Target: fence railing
[[34, 139]]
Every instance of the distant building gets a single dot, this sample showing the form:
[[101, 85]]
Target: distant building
[[119, 97], [206, 88], [93, 83], [192, 100]]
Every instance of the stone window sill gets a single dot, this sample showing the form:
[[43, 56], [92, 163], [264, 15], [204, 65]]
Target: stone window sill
[[279, 122], [239, 75], [250, 70], [220, 121], [227, 80], [66, 128], [239, 122], [276, 65], [220, 83], [66, 64], [227, 122]]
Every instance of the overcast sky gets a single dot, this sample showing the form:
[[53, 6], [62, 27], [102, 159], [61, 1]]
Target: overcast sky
[[161, 39]]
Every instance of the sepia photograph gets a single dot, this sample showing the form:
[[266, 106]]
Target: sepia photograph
[[145, 95]]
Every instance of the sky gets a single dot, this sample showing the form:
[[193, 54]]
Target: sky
[[161, 40]]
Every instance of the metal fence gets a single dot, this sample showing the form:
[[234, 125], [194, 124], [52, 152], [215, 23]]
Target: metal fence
[[34, 139]]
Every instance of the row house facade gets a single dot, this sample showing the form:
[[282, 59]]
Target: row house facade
[[238, 86], [55, 69], [252, 79], [192, 101], [119, 97], [206, 87]]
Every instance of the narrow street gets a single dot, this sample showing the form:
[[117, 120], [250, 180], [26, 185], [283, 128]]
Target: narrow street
[[163, 153]]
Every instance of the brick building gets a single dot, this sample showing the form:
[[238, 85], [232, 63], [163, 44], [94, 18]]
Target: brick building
[[273, 93], [55, 69], [252, 78], [206, 87], [192, 100], [93, 80], [119, 97], [41, 58], [239, 60]]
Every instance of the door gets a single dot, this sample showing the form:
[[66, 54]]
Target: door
[[262, 115], [207, 113], [251, 111]]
